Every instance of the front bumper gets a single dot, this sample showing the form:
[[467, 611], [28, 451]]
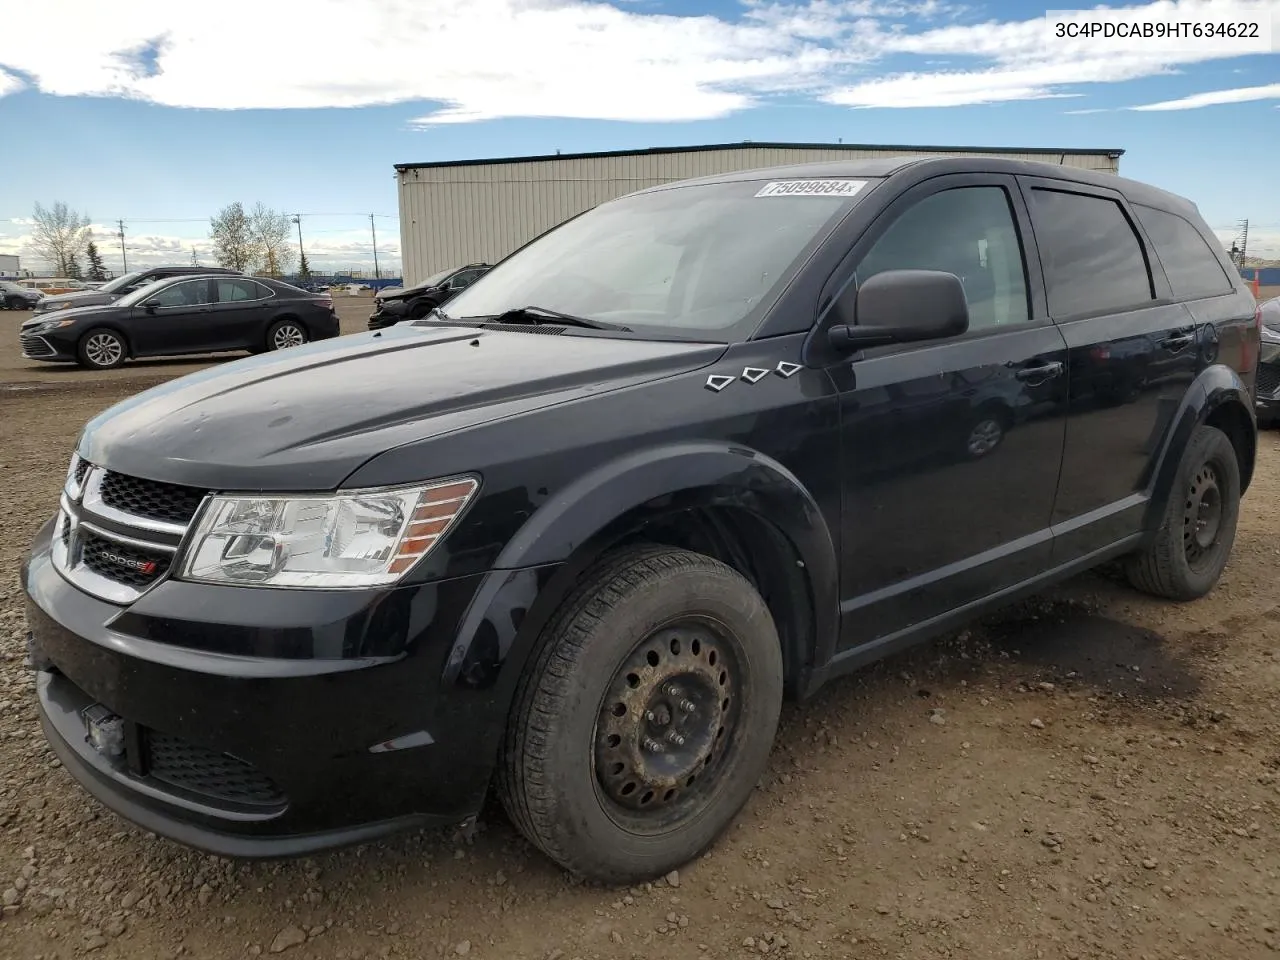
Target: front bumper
[[388, 315], [43, 347], [1267, 400], [344, 731]]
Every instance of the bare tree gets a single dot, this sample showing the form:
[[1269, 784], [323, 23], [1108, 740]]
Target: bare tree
[[273, 235], [235, 243], [60, 236]]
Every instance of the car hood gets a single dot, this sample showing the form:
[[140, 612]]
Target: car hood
[[307, 417], [83, 298], [401, 293], [69, 313]]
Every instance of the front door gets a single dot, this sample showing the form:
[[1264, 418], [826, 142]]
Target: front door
[[171, 319], [1133, 352], [951, 448]]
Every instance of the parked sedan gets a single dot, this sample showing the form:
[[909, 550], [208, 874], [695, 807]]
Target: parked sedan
[[203, 314], [121, 286], [413, 303], [14, 296]]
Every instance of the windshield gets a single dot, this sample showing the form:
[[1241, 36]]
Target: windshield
[[119, 283], [693, 261], [435, 279]]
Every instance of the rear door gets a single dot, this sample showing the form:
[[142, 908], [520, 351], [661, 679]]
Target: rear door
[[951, 448], [172, 320], [1133, 351], [240, 313]]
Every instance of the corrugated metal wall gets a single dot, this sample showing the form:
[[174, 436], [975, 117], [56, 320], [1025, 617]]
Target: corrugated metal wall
[[481, 212]]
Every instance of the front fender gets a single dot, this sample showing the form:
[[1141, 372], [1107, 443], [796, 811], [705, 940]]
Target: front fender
[[541, 563], [1216, 388]]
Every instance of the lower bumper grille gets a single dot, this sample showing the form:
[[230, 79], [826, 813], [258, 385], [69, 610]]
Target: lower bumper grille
[[218, 777], [33, 346], [1268, 379]]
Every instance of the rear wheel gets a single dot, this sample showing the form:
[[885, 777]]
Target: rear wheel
[[16, 303], [1194, 541], [286, 333], [646, 717], [101, 349]]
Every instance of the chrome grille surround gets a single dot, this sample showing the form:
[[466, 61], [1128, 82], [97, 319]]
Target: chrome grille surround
[[117, 575]]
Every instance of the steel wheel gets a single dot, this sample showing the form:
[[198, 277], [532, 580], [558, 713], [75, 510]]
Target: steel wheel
[[1201, 515], [287, 334], [666, 718]]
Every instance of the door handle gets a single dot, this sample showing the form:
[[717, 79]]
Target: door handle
[[1178, 341], [1040, 372]]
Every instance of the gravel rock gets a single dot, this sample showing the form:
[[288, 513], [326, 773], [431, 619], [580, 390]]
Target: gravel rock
[[463, 948], [1038, 723], [673, 878], [287, 938]]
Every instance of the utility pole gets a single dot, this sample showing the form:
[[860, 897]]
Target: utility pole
[[376, 274], [302, 256], [123, 256]]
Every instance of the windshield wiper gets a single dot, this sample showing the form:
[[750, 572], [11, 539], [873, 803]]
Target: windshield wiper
[[537, 315]]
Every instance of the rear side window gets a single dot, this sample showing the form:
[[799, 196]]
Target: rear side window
[[1092, 258], [230, 291], [1189, 262]]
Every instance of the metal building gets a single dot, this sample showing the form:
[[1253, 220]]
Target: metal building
[[463, 211]]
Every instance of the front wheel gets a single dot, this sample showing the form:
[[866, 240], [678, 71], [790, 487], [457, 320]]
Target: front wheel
[[286, 333], [1198, 529], [101, 349], [646, 717]]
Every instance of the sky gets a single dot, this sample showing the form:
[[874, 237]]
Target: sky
[[159, 114]]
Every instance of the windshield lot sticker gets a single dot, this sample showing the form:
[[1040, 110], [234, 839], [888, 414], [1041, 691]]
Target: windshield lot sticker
[[811, 188]]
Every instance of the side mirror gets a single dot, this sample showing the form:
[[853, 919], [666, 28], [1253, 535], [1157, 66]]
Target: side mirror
[[150, 308], [900, 306]]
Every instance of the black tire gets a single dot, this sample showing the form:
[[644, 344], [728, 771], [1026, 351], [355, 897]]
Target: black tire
[[102, 349], [287, 333], [600, 653], [1193, 544], [17, 303], [421, 309]]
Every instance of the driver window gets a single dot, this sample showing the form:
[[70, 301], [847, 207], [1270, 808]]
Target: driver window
[[968, 231]]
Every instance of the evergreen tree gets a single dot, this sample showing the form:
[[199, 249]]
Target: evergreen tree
[[73, 268], [96, 270], [304, 266]]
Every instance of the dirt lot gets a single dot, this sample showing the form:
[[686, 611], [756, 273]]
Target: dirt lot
[[1092, 774]]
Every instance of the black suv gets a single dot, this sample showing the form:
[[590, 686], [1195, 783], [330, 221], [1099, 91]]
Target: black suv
[[414, 303], [125, 284], [700, 448]]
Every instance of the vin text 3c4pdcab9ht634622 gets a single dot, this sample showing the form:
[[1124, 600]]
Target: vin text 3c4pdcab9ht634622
[[575, 534]]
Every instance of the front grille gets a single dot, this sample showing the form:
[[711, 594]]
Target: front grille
[[216, 776], [34, 346], [121, 562], [1268, 379], [151, 499]]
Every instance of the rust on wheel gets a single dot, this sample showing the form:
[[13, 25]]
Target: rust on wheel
[[666, 721], [1202, 515]]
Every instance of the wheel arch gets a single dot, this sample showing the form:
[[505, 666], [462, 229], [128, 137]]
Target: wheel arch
[[1218, 398], [115, 328], [736, 505]]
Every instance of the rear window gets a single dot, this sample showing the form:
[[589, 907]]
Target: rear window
[[1189, 262]]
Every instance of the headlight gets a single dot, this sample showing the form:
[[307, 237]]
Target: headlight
[[48, 325], [360, 539]]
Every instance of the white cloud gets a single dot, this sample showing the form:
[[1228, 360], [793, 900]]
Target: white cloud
[[485, 59], [1214, 97], [1024, 61]]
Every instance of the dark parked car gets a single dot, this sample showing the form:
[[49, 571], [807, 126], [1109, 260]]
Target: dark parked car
[[414, 303], [202, 314], [14, 296], [126, 284], [1268, 404], [577, 539]]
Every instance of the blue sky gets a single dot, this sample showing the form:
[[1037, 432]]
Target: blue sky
[[161, 116]]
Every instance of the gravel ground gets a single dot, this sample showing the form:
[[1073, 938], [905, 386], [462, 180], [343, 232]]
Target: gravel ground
[[1090, 774]]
